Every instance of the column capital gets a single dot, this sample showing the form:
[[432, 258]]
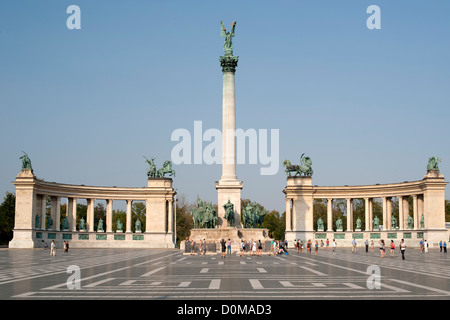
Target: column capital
[[229, 63]]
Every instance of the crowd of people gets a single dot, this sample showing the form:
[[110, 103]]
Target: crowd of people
[[280, 247]]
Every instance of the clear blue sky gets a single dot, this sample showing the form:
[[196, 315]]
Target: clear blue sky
[[368, 106]]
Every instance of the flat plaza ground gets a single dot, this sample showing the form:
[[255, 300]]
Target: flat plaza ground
[[32, 274]]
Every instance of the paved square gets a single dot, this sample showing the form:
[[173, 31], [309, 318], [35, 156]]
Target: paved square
[[168, 274]]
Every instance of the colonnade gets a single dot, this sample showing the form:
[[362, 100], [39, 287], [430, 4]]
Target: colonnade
[[427, 217], [387, 222], [71, 214], [31, 214]]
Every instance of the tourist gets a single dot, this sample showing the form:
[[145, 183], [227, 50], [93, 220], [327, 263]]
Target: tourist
[[274, 248], [297, 245], [53, 248], [440, 246], [242, 248], [321, 244], [204, 246], [316, 246], [192, 247], [445, 246], [259, 248], [354, 246], [425, 246], [421, 245], [334, 246], [223, 245], [392, 248], [372, 245], [367, 245], [382, 248], [328, 244], [308, 246], [302, 245], [403, 248], [229, 246], [253, 248]]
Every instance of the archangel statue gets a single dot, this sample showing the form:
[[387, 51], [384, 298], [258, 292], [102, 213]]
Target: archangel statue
[[228, 45]]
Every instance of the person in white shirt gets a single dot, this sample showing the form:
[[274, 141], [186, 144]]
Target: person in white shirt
[[53, 248]]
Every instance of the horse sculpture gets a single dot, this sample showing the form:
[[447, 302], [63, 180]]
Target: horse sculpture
[[303, 169], [167, 168]]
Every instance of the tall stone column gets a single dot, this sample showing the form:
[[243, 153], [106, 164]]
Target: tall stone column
[[367, 214], [109, 208], [401, 217], [90, 215], [388, 222], [330, 215], [43, 211], [128, 222], [415, 212], [72, 213], [228, 187], [349, 214]]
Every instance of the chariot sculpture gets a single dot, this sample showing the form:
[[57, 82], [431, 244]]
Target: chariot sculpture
[[304, 169]]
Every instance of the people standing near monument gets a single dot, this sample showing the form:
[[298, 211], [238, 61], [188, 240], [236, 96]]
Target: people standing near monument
[[242, 248], [259, 248], [229, 246], [316, 246], [354, 246], [328, 244], [334, 246], [445, 246], [392, 248], [403, 248], [53, 248], [425, 246], [382, 249], [223, 247], [372, 245], [192, 247], [367, 245], [204, 246]]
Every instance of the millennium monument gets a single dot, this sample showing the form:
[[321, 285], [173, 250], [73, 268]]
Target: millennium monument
[[229, 187]]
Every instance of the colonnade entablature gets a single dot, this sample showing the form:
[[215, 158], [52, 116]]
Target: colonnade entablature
[[427, 215], [32, 224]]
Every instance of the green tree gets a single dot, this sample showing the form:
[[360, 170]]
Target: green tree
[[276, 224], [7, 212], [447, 210]]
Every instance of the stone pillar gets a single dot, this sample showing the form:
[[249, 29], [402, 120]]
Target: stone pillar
[[157, 213], [434, 201], [228, 187], [405, 211], [371, 214], [288, 215], [72, 213], [90, 215], [43, 211], [128, 222], [420, 208], [299, 189], [349, 214], [401, 217], [109, 214], [384, 207], [366, 214], [388, 213], [330, 215], [415, 212], [56, 212], [170, 217], [25, 210]]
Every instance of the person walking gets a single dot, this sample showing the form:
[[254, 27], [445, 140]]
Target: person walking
[[403, 248], [328, 244], [425, 246], [445, 246], [316, 246], [242, 248], [367, 245], [53, 248], [334, 246], [354, 246], [440, 246]]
